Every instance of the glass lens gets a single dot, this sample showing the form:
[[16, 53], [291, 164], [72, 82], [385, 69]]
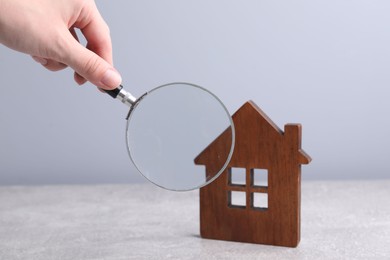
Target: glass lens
[[180, 136]]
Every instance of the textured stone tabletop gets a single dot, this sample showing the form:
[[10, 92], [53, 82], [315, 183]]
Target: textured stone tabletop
[[340, 220]]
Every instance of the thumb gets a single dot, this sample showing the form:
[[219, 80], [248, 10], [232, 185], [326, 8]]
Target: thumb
[[91, 66]]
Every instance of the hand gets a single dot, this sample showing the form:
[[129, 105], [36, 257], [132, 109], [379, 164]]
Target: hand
[[45, 29]]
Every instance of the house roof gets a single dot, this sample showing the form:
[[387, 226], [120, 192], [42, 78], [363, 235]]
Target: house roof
[[252, 127]]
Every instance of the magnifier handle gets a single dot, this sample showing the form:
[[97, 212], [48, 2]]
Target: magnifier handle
[[114, 92], [121, 94]]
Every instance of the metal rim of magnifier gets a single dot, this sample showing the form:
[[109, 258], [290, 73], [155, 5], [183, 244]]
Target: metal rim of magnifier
[[134, 106]]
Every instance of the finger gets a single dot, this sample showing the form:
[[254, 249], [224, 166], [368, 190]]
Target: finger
[[73, 32], [79, 79], [89, 65], [97, 33], [40, 60], [95, 65], [49, 64]]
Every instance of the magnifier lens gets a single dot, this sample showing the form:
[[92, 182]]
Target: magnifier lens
[[171, 127]]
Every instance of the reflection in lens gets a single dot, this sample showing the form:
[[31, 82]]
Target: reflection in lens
[[171, 127]]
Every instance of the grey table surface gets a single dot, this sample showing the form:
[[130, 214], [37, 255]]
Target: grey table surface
[[340, 220]]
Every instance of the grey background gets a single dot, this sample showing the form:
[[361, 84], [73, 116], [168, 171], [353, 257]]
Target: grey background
[[324, 64]]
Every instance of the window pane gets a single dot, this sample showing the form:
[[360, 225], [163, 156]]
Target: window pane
[[259, 177], [237, 199], [237, 176], [259, 200]]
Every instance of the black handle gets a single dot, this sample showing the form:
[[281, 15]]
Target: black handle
[[114, 92]]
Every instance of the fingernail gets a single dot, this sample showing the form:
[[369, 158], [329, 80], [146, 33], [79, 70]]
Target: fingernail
[[111, 78], [40, 60]]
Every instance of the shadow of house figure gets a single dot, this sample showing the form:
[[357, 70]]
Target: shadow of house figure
[[261, 148]]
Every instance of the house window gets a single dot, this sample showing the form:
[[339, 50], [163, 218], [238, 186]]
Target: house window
[[259, 200], [237, 199], [247, 188], [237, 176], [259, 177]]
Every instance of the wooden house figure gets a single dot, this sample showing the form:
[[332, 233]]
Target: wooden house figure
[[263, 206]]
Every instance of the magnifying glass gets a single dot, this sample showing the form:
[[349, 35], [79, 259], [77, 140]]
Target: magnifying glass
[[172, 125]]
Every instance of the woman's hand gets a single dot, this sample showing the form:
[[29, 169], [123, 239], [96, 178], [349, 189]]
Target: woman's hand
[[44, 29]]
